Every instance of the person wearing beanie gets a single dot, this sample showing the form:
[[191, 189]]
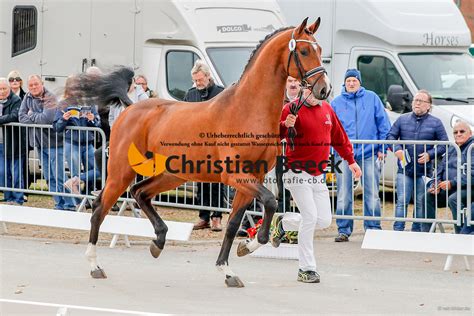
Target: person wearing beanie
[[363, 117]]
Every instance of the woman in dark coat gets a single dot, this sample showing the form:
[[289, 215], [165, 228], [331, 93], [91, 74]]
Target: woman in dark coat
[[14, 144]]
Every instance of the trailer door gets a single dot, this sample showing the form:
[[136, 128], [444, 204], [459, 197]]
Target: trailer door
[[65, 40], [113, 33]]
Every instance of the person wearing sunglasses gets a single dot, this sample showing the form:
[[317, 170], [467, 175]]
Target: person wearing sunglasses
[[16, 86], [445, 186], [142, 81], [12, 145], [16, 83], [414, 162]]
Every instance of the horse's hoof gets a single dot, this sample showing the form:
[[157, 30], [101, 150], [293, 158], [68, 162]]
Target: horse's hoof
[[155, 250], [233, 281], [242, 249], [98, 273]]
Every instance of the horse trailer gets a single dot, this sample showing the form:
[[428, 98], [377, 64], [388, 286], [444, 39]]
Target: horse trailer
[[160, 39]]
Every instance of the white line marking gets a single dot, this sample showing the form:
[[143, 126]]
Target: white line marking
[[108, 310]]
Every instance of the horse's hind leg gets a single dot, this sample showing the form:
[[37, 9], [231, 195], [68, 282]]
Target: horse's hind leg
[[240, 204], [266, 197], [116, 184], [143, 192]]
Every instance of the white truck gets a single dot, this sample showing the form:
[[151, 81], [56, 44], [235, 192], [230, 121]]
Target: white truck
[[412, 45], [160, 39], [405, 44], [409, 45]]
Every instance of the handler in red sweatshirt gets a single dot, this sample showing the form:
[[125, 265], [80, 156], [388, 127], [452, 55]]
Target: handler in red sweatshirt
[[317, 128]]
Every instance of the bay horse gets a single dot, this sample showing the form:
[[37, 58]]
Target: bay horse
[[252, 105]]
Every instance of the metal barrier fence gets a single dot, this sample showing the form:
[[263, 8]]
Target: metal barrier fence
[[470, 174], [390, 175], [214, 197], [42, 157]]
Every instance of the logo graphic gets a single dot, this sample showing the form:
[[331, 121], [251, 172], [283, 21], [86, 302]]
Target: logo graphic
[[328, 122], [233, 28], [244, 28], [147, 165]]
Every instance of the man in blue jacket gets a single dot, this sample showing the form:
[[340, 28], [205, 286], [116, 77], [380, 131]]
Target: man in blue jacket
[[447, 181], [363, 116], [417, 160]]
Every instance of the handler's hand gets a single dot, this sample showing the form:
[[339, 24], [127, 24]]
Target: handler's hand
[[290, 120], [355, 170]]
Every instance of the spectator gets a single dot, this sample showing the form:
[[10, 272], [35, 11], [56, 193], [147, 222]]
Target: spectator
[[364, 118], [447, 181], [143, 82], [418, 125], [316, 123], [39, 107], [13, 149], [79, 145], [16, 83], [135, 93], [205, 89]]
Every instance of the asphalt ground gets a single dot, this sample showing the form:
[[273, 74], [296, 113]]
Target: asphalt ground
[[184, 281]]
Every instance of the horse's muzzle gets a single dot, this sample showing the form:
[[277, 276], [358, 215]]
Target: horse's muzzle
[[322, 88]]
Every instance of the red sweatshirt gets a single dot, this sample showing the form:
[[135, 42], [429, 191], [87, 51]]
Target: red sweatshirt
[[317, 129]]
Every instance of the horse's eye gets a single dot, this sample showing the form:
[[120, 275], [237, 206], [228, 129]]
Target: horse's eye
[[304, 52]]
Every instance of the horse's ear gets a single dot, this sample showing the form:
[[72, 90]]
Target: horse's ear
[[315, 26], [302, 27]]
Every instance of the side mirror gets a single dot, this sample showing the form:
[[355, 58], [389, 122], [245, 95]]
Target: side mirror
[[398, 98]]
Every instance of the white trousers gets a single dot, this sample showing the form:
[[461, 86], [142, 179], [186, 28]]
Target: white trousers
[[312, 198]]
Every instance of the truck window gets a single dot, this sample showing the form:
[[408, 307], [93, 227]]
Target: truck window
[[378, 73], [24, 33], [178, 72], [230, 72]]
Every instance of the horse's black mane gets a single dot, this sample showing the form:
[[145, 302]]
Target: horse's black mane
[[111, 88], [254, 52]]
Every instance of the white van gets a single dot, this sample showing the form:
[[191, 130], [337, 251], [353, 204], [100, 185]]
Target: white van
[[414, 45], [160, 39], [409, 45]]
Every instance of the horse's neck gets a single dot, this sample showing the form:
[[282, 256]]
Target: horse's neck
[[262, 88]]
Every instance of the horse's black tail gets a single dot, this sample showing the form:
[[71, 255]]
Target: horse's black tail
[[104, 90]]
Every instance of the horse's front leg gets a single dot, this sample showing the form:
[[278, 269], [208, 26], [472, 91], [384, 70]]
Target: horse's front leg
[[240, 204], [268, 200]]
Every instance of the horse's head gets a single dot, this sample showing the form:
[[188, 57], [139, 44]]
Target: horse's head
[[304, 60]]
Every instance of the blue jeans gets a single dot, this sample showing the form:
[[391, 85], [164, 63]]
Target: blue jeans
[[11, 177], [452, 203], [14, 180], [52, 164], [405, 189], [78, 155], [2, 166], [429, 205], [370, 183]]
